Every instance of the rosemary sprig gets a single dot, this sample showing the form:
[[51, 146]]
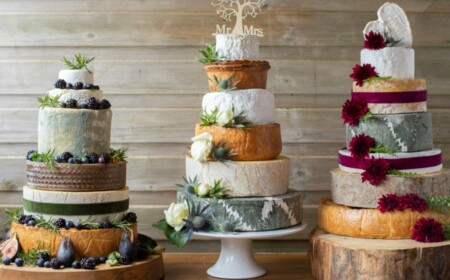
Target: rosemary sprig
[[31, 256], [209, 54], [13, 215], [46, 224], [47, 158], [88, 224], [439, 204], [123, 224], [78, 62], [49, 101]]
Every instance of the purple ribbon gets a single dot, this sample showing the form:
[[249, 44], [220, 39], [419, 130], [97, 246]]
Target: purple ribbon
[[397, 163], [392, 97]]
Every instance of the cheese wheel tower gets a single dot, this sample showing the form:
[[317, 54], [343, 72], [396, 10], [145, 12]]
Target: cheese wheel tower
[[76, 184], [389, 158], [238, 123]]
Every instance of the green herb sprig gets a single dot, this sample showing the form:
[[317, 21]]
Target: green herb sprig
[[78, 62], [118, 155], [439, 204], [381, 149], [49, 101], [46, 224], [47, 158], [396, 172], [13, 215], [32, 255]]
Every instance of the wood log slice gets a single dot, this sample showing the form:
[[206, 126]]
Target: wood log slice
[[335, 257], [150, 269]]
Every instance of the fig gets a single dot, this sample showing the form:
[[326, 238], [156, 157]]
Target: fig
[[10, 248], [66, 252], [126, 247]]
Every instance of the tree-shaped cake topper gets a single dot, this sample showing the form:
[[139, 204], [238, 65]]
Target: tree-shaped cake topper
[[240, 10]]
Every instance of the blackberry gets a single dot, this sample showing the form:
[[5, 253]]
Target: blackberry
[[104, 104], [104, 158], [60, 222], [71, 103], [30, 154], [92, 103], [21, 219], [124, 260], [27, 219], [83, 106], [62, 105], [44, 255], [93, 158], [65, 156], [106, 223], [60, 84], [89, 86], [96, 87], [130, 217], [55, 263], [94, 259], [88, 263], [78, 85], [69, 86]]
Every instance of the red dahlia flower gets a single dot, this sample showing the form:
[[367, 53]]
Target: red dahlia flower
[[353, 110], [414, 202], [427, 230], [374, 41], [389, 202], [362, 73], [375, 171], [360, 146]]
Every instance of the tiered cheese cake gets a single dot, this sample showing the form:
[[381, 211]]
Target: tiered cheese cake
[[234, 171], [389, 174], [75, 202]]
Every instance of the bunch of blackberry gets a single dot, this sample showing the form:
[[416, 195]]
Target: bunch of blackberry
[[60, 84], [93, 157], [130, 217], [71, 103], [60, 222], [124, 260], [104, 104], [55, 263], [78, 85], [88, 263]]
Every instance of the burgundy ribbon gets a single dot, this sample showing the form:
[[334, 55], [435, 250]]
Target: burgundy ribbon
[[396, 163], [392, 97]]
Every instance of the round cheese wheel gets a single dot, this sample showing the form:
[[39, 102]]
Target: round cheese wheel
[[257, 142], [371, 223]]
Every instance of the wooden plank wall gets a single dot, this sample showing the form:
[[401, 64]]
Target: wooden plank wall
[[145, 64]]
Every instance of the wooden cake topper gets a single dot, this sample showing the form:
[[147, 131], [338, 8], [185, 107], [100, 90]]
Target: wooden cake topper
[[240, 10], [393, 21]]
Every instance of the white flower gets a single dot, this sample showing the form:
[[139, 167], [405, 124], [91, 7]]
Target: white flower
[[202, 146], [225, 116], [175, 215], [203, 189]]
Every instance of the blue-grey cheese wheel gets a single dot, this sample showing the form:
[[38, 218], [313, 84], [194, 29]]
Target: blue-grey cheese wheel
[[77, 131]]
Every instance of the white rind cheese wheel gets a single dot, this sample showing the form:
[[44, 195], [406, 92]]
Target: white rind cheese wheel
[[74, 76], [81, 95], [244, 178], [392, 62], [257, 105], [77, 131], [237, 47], [46, 204]]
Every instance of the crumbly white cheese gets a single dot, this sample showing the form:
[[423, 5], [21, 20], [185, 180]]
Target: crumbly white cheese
[[390, 62], [237, 47]]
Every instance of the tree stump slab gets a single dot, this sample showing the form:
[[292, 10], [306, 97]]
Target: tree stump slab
[[150, 269], [335, 257]]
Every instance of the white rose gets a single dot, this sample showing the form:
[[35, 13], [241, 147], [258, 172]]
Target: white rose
[[202, 146], [175, 215], [203, 189], [225, 116]]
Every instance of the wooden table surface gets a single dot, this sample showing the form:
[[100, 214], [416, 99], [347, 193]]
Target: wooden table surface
[[278, 266]]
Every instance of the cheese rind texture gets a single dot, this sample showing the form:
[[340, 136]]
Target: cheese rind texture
[[249, 213], [399, 132], [257, 142], [78, 131], [80, 95], [371, 223], [74, 76], [237, 46], [257, 105], [67, 205], [244, 178], [87, 243], [392, 62], [347, 188]]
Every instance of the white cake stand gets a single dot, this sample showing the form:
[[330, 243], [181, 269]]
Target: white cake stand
[[236, 260]]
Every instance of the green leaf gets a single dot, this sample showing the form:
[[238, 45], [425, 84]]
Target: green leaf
[[47, 158], [209, 54], [381, 149], [209, 118], [439, 204], [78, 62], [118, 155], [178, 238], [367, 116], [49, 101]]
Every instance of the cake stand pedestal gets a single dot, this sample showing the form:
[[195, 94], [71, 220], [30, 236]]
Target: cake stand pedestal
[[236, 259]]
